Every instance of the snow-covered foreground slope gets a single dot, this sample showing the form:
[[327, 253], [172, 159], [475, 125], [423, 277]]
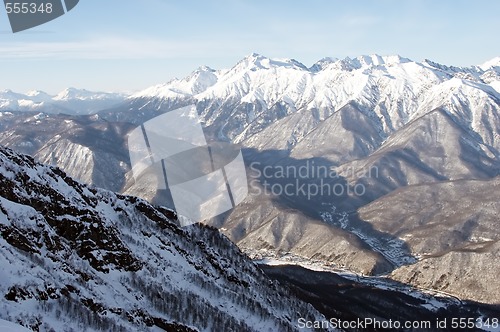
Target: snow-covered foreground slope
[[75, 258]]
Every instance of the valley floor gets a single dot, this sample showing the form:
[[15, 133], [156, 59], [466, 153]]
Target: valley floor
[[371, 303]]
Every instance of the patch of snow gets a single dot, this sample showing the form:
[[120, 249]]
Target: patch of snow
[[6, 326]]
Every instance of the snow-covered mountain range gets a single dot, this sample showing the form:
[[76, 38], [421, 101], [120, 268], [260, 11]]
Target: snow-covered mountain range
[[418, 124], [70, 100], [262, 90]]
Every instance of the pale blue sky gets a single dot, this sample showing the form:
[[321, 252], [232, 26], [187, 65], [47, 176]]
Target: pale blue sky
[[128, 45]]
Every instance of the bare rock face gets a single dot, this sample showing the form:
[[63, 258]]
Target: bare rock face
[[470, 273], [264, 226], [452, 228]]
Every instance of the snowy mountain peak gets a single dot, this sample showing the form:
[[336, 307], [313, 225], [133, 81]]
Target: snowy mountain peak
[[198, 81], [205, 69], [155, 91], [253, 57], [470, 73], [204, 78], [362, 61], [9, 94], [439, 66], [73, 93], [37, 93], [256, 61], [38, 96], [495, 62], [322, 63], [84, 94], [375, 60]]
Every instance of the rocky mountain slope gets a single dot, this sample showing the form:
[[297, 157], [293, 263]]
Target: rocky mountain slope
[[452, 227], [77, 258], [86, 147]]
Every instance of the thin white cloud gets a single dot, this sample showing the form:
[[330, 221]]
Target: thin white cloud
[[358, 21], [104, 48]]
